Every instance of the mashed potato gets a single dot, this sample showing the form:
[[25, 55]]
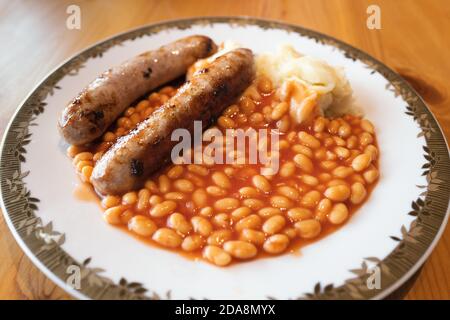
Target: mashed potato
[[310, 85]]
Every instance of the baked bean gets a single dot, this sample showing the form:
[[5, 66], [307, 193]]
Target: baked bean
[[200, 198], [167, 238], [255, 119], [308, 229], [154, 200], [109, 137], [324, 177], [83, 163], [345, 130], [253, 236], [330, 155], [226, 122], [338, 213], [215, 191], [231, 111], [142, 105], [341, 152], [352, 142], [281, 202], [309, 180], [142, 225], [372, 151], [247, 106], [276, 244], [178, 222], [130, 198], [221, 220], [151, 185], [367, 126], [197, 169], [216, 255], [82, 156], [328, 142], [361, 162], [365, 139], [289, 192], [308, 140], [336, 182], [143, 199], [337, 193], [111, 201], [279, 111], [342, 172], [97, 156], [297, 214], [254, 204], [261, 183], [240, 213], [298, 148], [291, 232], [287, 169], [252, 221], [358, 193], [226, 204], [73, 150], [206, 212], [324, 206], [229, 171], [164, 183], [248, 192], [268, 212], [175, 172], [175, 196], [264, 85], [304, 163], [183, 185], [328, 165], [357, 178], [320, 124], [221, 179], [191, 243], [371, 175], [126, 216], [310, 199], [274, 224], [163, 209], [112, 215], [218, 237], [201, 226], [284, 124], [240, 249], [333, 126], [320, 154]]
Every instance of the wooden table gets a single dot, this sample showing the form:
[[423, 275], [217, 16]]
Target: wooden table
[[413, 40]]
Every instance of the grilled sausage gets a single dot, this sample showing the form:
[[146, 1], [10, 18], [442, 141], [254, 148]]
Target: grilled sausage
[[103, 100], [144, 150]]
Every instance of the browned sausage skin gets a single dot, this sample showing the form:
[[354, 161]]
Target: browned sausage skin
[[135, 156], [103, 100]]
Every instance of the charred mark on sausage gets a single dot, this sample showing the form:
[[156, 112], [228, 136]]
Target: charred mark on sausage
[[137, 167], [99, 115], [147, 73], [221, 90]]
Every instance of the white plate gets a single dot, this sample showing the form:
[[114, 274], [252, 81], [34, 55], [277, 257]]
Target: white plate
[[388, 236]]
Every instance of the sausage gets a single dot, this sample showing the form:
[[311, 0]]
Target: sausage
[[89, 115], [127, 164]]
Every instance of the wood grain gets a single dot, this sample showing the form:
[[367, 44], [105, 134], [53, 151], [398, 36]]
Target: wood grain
[[413, 40]]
